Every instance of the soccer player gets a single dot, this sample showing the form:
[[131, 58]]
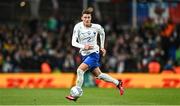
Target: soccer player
[[84, 37]]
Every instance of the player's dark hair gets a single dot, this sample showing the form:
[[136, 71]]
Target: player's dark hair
[[89, 10]]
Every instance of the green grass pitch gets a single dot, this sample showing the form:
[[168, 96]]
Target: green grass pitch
[[91, 96]]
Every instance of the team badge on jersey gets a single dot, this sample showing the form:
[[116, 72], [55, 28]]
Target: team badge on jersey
[[94, 33]]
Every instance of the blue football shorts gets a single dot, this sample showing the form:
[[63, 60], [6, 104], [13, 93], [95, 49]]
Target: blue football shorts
[[92, 60]]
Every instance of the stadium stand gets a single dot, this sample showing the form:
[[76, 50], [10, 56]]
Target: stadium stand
[[26, 44]]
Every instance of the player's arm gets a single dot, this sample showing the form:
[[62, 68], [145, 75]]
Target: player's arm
[[74, 41], [102, 40]]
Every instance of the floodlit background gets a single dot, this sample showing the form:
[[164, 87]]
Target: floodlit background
[[138, 32]]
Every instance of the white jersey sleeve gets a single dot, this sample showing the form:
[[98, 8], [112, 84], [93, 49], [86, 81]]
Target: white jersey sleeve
[[75, 35], [102, 36]]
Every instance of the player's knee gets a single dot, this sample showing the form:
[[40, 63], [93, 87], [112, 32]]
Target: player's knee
[[80, 71], [96, 72], [100, 76], [83, 66]]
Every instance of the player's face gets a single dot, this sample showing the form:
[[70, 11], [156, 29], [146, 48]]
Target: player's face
[[86, 18]]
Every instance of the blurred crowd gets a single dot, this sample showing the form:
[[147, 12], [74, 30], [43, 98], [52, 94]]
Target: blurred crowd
[[47, 44]]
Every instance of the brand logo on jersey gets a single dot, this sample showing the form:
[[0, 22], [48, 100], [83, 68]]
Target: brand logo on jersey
[[89, 32]]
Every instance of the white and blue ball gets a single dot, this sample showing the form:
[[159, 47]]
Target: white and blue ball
[[76, 91]]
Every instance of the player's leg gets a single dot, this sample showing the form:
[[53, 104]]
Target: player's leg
[[80, 74], [97, 72], [80, 78]]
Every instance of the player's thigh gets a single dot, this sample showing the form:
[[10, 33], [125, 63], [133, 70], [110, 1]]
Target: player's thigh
[[83, 66], [96, 72]]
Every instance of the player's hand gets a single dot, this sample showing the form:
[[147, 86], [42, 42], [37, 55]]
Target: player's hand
[[103, 51], [88, 47]]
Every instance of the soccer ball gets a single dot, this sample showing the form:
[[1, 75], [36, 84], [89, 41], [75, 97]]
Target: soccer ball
[[76, 91]]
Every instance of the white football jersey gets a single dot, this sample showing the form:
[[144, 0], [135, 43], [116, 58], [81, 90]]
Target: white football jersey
[[87, 35]]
